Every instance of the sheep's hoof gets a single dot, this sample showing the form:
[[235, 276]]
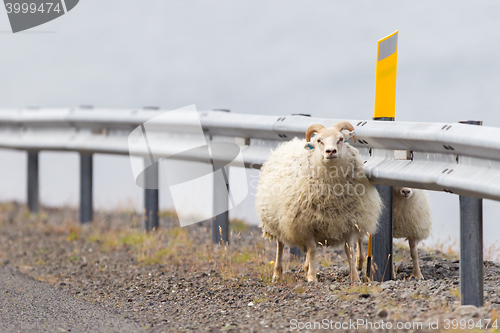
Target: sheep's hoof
[[312, 279], [355, 280], [366, 279], [277, 274], [418, 276]]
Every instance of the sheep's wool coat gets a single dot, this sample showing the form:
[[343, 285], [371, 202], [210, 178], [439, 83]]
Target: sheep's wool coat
[[412, 217], [298, 198]]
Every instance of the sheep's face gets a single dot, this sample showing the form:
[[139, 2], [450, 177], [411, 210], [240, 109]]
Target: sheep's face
[[330, 143], [406, 192]]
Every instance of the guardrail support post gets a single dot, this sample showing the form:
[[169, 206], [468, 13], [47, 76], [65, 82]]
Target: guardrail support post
[[220, 223], [471, 251], [471, 247], [33, 186], [382, 240], [86, 200], [151, 218]]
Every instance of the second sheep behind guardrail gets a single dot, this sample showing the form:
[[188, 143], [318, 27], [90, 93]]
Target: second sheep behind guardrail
[[412, 219]]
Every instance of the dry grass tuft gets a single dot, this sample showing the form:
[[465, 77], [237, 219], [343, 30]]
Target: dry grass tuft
[[492, 252]]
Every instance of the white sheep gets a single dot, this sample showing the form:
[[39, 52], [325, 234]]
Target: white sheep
[[319, 194], [412, 219]]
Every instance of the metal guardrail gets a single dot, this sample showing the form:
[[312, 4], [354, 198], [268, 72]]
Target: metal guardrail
[[451, 157]]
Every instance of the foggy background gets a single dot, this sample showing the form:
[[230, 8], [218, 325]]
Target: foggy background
[[259, 57]]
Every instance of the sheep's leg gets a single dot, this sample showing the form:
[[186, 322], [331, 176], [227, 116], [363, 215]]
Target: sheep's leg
[[360, 260], [278, 265], [306, 265], [414, 257], [349, 251], [311, 252]]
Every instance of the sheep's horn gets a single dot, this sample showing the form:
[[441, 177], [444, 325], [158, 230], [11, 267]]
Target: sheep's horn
[[313, 129], [345, 125]]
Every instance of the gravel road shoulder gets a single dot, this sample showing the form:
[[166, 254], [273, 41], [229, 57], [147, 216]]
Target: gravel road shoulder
[[27, 305]]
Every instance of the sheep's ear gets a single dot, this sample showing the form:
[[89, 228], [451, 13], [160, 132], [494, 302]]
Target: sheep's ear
[[345, 125], [308, 146], [350, 134]]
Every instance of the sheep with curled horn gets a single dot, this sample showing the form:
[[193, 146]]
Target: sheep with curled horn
[[319, 194]]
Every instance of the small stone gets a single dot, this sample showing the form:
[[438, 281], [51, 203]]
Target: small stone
[[426, 258], [334, 287], [464, 310], [405, 295], [250, 304], [388, 284], [382, 313], [364, 295]]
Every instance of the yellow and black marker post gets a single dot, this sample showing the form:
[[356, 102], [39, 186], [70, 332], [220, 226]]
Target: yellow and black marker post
[[385, 81], [385, 110]]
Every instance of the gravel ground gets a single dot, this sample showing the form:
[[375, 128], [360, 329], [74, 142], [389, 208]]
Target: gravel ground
[[31, 306], [174, 280]]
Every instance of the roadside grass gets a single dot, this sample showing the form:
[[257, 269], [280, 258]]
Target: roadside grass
[[455, 292], [326, 258], [354, 291], [177, 246], [404, 251], [238, 225], [299, 289], [421, 296], [258, 300], [492, 251], [74, 233], [73, 258], [448, 248]]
